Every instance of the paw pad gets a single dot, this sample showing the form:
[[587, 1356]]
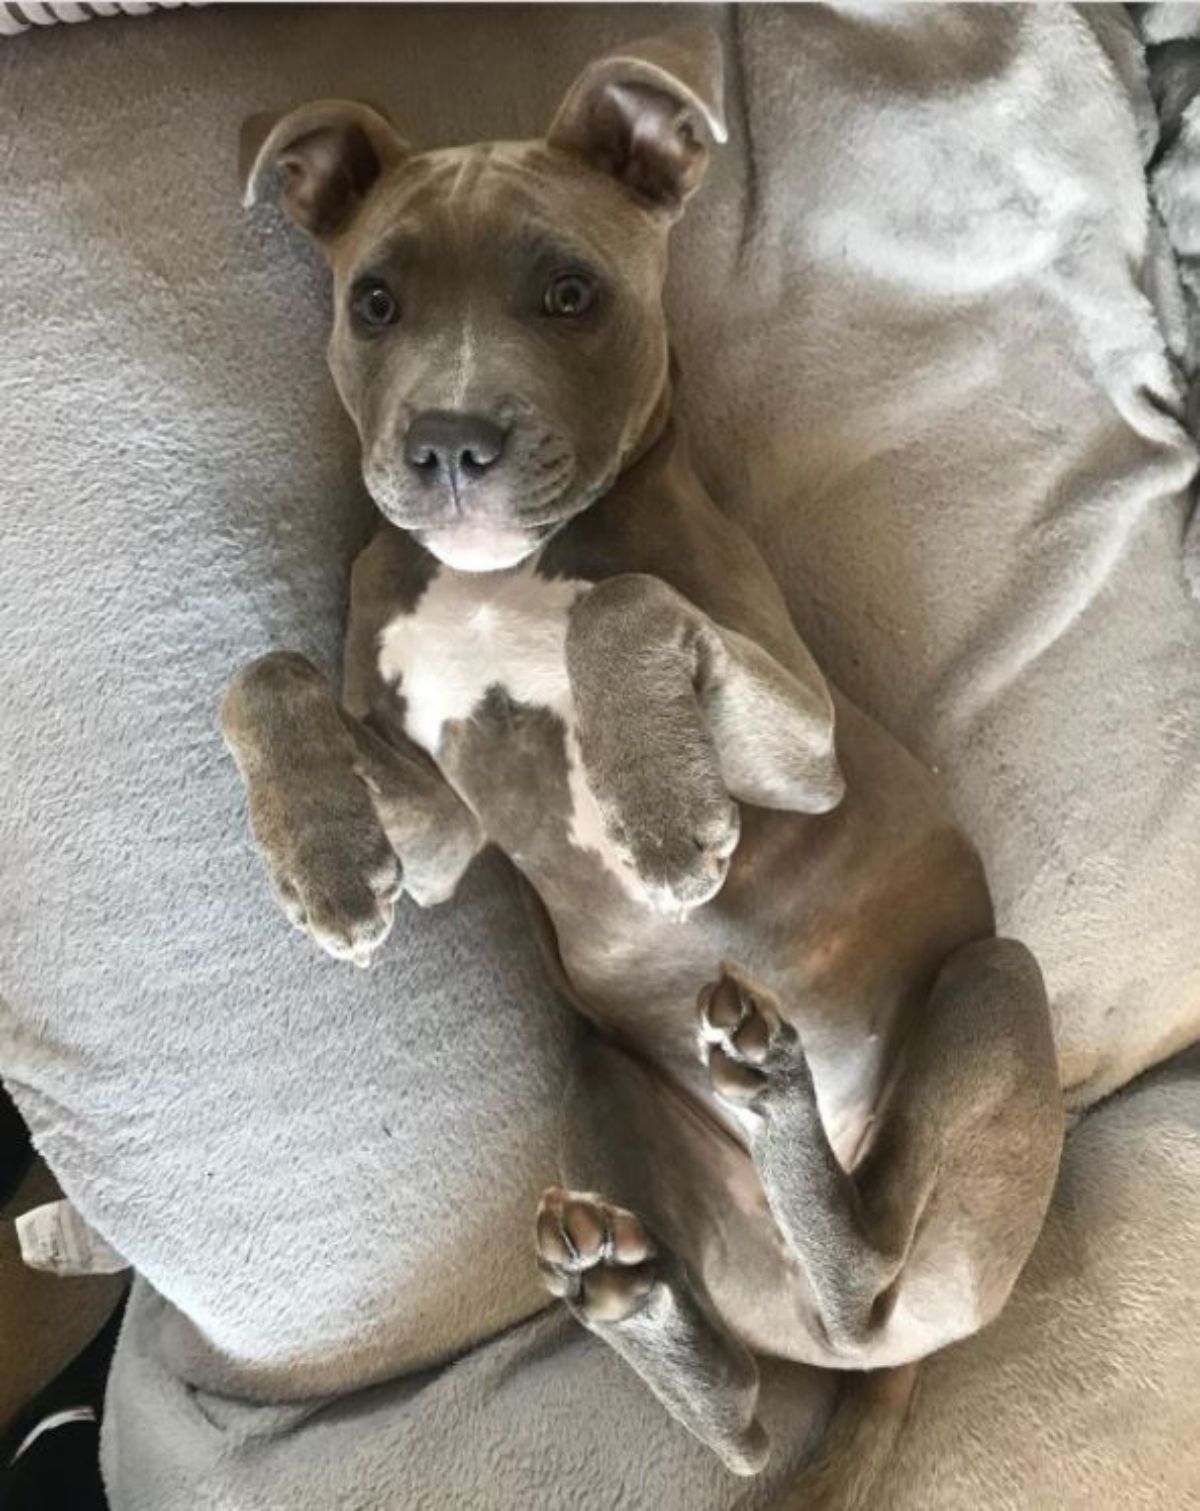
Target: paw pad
[[739, 1032], [593, 1254]]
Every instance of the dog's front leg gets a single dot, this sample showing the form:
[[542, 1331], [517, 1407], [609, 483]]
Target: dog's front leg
[[345, 822], [676, 717]]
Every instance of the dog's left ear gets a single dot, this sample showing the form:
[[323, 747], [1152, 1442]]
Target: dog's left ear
[[643, 114]]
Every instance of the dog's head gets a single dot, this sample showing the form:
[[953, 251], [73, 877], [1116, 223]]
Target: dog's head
[[498, 333]]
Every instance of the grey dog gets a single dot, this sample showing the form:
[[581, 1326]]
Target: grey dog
[[821, 1119]]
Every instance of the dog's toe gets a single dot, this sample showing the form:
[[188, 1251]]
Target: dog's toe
[[734, 1081]]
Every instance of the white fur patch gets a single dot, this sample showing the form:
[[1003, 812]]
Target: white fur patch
[[472, 631], [481, 549]]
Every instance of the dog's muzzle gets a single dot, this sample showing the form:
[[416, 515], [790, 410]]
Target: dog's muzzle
[[480, 493]]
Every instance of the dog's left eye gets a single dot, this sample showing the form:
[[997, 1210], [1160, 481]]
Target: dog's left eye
[[374, 303], [569, 295]]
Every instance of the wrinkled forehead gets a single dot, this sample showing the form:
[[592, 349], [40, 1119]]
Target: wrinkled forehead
[[475, 205]]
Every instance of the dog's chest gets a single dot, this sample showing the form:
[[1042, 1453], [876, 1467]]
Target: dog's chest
[[471, 633], [481, 666]]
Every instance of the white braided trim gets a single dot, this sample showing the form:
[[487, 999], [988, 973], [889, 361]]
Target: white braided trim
[[23, 15]]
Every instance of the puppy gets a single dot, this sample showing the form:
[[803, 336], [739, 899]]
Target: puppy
[[822, 1119]]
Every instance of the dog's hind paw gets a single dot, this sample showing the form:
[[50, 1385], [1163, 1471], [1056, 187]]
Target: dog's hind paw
[[600, 1260], [594, 1255], [743, 1040]]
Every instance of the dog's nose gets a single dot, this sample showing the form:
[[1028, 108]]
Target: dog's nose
[[445, 443]]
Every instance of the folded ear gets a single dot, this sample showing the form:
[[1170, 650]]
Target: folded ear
[[642, 113], [330, 151]]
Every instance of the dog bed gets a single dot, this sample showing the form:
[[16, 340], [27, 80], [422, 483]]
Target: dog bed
[[932, 340]]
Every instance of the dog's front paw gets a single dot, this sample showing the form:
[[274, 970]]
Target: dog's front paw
[[332, 868], [678, 844]]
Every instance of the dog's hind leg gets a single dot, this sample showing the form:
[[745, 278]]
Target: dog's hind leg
[[921, 1243], [628, 1262], [632, 1291]]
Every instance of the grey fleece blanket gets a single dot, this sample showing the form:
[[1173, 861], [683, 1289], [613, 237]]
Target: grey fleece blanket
[[1172, 36], [918, 310]]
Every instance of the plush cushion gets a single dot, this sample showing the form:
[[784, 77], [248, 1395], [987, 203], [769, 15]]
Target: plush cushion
[[1081, 1396]]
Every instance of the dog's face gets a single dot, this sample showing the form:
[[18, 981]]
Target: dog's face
[[498, 339], [498, 333]]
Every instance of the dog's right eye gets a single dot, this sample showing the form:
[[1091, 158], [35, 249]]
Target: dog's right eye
[[373, 304]]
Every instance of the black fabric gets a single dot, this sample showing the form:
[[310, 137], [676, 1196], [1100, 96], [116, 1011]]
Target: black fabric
[[61, 1470], [16, 1151]]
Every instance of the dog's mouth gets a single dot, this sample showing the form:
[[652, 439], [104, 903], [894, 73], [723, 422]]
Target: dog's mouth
[[471, 546], [488, 535], [480, 545], [487, 523]]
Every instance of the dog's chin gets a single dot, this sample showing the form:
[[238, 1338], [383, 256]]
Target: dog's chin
[[483, 548], [480, 544]]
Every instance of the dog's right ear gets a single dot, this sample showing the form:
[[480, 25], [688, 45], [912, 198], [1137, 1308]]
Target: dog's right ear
[[330, 153]]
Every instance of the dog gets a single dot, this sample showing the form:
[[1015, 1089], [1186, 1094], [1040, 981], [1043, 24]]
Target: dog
[[821, 1119]]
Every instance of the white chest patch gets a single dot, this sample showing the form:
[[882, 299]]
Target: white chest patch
[[472, 631]]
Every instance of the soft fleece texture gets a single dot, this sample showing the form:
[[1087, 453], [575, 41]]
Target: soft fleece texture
[[1172, 37], [916, 309]]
